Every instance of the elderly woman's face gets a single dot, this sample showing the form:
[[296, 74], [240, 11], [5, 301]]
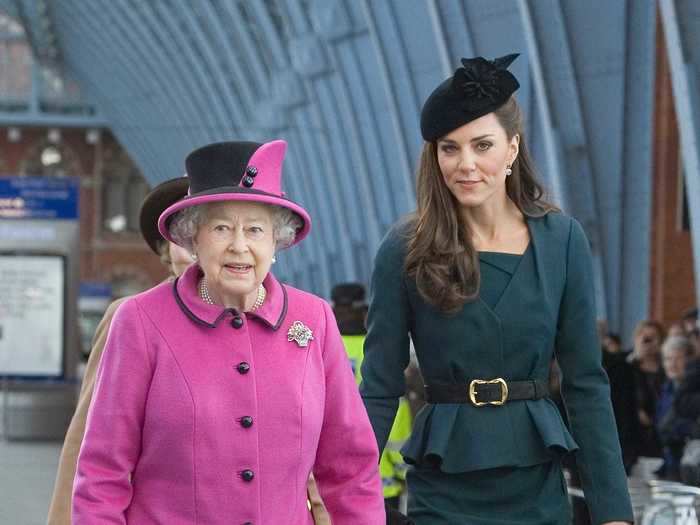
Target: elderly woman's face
[[235, 247], [676, 330], [674, 362], [473, 160]]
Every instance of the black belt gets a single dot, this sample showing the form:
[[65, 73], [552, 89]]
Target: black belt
[[481, 392]]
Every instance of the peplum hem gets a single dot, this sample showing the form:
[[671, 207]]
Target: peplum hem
[[519, 434], [550, 426]]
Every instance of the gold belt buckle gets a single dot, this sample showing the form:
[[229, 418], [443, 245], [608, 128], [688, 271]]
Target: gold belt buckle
[[472, 391]]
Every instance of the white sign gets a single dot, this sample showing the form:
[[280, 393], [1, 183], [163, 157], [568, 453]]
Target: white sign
[[31, 315]]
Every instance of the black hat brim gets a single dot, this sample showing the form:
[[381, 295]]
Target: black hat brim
[[158, 200]]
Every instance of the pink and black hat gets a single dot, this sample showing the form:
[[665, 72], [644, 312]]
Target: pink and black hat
[[236, 171]]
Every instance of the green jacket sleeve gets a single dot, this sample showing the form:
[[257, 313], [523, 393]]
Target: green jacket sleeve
[[386, 350], [586, 391]]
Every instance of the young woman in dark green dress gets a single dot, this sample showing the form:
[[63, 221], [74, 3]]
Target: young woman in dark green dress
[[490, 282]]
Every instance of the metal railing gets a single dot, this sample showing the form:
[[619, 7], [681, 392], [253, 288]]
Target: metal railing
[[658, 502]]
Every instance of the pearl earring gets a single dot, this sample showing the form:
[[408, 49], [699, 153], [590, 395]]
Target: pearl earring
[[194, 256], [274, 259], [508, 171]]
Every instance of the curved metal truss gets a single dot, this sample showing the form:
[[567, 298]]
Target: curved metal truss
[[343, 82]]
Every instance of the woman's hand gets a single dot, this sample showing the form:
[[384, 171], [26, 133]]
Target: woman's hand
[[318, 508], [644, 418]]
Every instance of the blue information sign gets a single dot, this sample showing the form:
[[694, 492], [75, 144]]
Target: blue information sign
[[39, 197]]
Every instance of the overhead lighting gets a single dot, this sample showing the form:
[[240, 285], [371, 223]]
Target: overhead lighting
[[14, 134], [117, 223], [92, 136], [50, 156], [54, 135]]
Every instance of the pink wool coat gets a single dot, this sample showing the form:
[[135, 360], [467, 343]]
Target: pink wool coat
[[203, 415]]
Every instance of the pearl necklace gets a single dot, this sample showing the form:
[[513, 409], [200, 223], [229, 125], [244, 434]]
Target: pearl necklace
[[204, 294]]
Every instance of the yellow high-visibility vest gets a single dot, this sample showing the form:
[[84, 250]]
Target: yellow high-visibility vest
[[392, 468], [391, 465], [353, 347]]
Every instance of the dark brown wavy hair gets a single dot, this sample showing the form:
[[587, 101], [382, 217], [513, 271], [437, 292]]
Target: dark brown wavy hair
[[440, 255]]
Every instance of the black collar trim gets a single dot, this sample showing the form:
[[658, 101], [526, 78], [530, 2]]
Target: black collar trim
[[193, 317]]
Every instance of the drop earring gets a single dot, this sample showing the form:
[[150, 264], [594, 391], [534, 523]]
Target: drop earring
[[508, 171], [274, 259], [194, 256]]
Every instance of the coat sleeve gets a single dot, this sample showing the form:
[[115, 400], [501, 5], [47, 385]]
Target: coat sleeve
[[586, 391], [347, 457], [60, 508], [386, 349], [112, 443]]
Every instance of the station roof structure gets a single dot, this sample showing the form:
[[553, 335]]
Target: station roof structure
[[343, 82]]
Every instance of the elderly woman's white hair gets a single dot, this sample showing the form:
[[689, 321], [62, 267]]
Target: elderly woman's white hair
[[677, 342], [186, 222]]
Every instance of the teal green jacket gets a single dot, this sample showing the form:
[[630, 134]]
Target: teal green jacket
[[547, 309]]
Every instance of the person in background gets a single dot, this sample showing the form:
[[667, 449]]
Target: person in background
[[176, 259], [219, 393], [690, 321], [691, 329], [694, 338], [676, 329], [673, 427], [645, 359], [612, 347], [350, 309], [623, 396]]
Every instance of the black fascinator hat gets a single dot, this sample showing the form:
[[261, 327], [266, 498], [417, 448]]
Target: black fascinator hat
[[477, 88]]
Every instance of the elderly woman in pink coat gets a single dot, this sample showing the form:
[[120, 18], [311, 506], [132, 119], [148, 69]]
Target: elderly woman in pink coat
[[220, 393]]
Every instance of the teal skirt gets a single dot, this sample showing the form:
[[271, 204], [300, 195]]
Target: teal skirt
[[501, 496]]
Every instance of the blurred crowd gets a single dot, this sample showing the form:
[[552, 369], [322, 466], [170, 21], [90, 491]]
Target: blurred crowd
[[655, 394], [655, 391]]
